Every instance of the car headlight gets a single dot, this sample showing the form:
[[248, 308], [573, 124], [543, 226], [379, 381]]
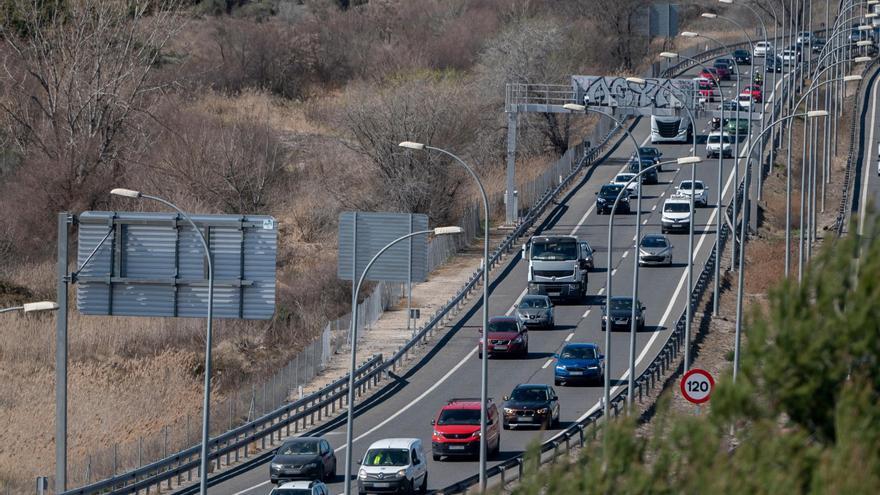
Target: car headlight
[[521, 315], [362, 474], [437, 433], [518, 340], [592, 367], [401, 473], [600, 200], [560, 367], [543, 410], [476, 434], [276, 465], [508, 410], [311, 465]]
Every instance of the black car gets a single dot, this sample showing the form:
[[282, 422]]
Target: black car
[[817, 45], [621, 312], [742, 57], [606, 196], [652, 153], [531, 405], [303, 458], [650, 176], [774, 64]]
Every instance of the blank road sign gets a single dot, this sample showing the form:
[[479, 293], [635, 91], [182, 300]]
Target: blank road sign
[[363, 234], [153, 264]]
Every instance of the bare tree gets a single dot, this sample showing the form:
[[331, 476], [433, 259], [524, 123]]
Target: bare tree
[[77, 76], [617, 33]]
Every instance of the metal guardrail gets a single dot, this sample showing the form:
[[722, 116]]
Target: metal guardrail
[[551, 449], [235, 443], [855, 123]]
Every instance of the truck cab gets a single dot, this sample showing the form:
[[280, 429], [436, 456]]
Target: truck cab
[[558, 266]]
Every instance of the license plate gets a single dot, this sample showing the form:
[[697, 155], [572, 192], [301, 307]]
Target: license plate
[[382, 485], [456, 447], [575, 373], [500, 347], [554, 293], [524, 419]]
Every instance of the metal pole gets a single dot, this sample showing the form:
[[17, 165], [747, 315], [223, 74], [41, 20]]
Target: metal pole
[[353, 359], [64, 220], [409, 274]]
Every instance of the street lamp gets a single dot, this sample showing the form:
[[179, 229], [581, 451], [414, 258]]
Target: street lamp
[[206, 404], [484, 359], [583, 108], [32, 307], [718, 215], [687, 160], [350, 415]]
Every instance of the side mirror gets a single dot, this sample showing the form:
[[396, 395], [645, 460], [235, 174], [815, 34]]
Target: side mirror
[[643, 308], [601, 356], [523, 251], [433, 422], [506, 397], [359, 462], [556, 356], [596, 193]]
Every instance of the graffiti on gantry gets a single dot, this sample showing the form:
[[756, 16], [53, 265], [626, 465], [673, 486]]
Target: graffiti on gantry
[[618, 92]]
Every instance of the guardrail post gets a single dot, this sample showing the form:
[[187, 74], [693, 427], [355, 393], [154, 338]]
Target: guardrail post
[[519, 466]]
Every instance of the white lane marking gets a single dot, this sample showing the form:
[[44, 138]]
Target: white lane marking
[[645, 222], [568, 339], [613, 272], [664, 192], [625, 253], [415, 401], [516, 302], [583, 219], [867, 168], [251, 488], [587, 312], [549, 361], [602, 290], [654, 207], [666, 313]]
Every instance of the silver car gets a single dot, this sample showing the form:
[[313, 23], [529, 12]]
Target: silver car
[[655, 249], [536, 311]]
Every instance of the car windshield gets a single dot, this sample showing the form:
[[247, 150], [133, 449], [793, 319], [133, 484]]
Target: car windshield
[[291, 491], [529, 394], [686, 185], [677, 207], [554, 251], [624, 178], [622, 303], [715, 139], [298, 448], [503, 326], [578, 353], [649, 151], [387, 457], [610, 191], [459, 417], [533, 302], [653, 242]]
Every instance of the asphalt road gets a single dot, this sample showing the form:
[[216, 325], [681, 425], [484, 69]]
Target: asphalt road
[[452, 369], [868, 186]]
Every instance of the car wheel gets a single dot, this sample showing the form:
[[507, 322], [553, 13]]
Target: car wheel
[[436, 457], [556, 421], [557, 382], [479, 355], [642, 326], [525, 351], [505, 425], [424, 488]]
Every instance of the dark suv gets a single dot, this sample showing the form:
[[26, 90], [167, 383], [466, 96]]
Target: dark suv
[[621, 312], [742, 57], [457, 429], [649, 177], [303, 458], [606, 196], [531, 405], [652, 153]]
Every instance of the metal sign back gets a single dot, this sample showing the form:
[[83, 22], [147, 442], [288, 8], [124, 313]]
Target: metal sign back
[[656, 96], [153, 264], [363, 234]]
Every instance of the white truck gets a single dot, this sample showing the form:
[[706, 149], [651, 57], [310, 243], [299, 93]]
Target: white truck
[[558, 266], [671, 129]]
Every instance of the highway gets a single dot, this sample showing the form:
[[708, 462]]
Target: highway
[[451, 369], [867, 191]]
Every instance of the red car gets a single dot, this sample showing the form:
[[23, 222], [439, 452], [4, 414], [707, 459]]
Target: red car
[[708, 90], [723, 71], [457, 429], [711, 74], [755, 91], [507, 335]]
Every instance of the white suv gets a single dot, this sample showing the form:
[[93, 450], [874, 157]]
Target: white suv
[[622, 178], [718, 143], [762, 49], [701, 192], [301, 488], [676, 214], [394, 465]]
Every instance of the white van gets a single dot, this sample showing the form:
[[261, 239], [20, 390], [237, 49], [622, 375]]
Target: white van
[[396, 465]]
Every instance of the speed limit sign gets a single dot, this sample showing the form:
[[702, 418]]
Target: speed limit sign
[[697, 385]]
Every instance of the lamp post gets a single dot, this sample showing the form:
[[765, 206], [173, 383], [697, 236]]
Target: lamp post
[[583, 108], [352, 364], [743, 233], [206, 404], [718, 218], [688, 309], [32, 307], [484, 360], [691, 34]]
